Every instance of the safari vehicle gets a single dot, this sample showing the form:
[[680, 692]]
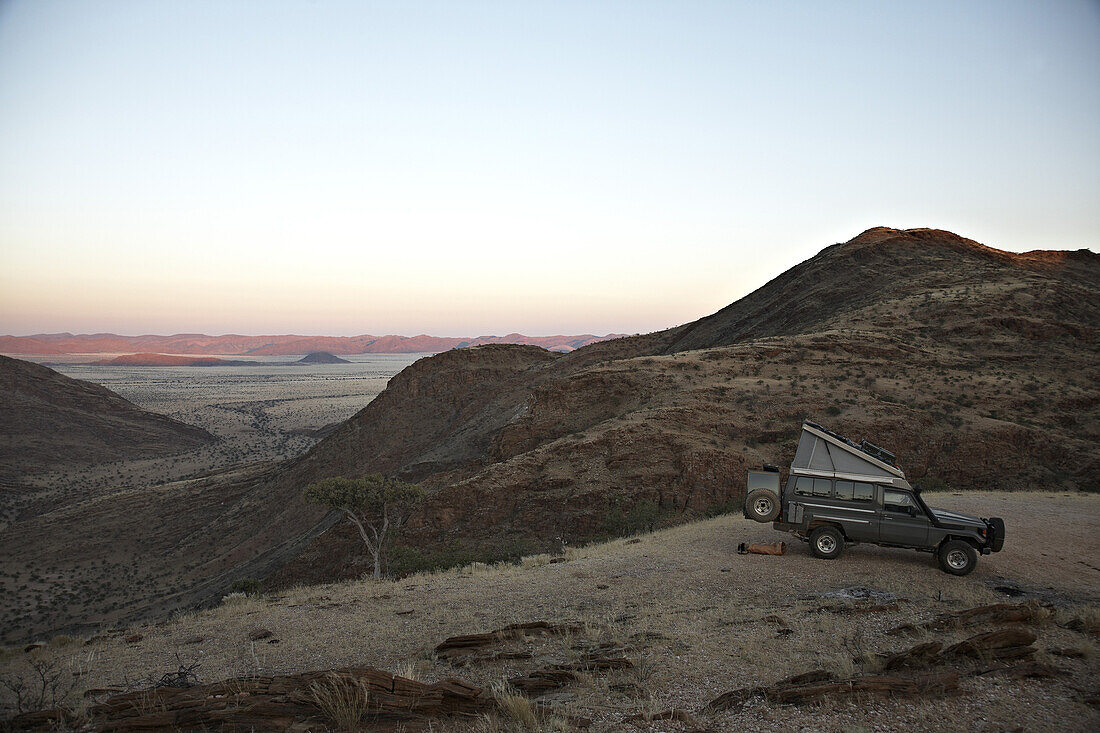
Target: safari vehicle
[[842, 493]]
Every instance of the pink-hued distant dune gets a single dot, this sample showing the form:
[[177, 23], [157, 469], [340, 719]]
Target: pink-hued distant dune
[[197, 343]]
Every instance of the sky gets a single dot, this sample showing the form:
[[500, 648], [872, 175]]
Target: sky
[[466, 168]]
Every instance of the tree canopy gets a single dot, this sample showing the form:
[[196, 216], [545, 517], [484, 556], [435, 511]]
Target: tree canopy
[[372, 502]]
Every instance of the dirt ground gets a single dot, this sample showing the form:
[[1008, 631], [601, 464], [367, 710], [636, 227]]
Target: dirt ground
[[687, 610]]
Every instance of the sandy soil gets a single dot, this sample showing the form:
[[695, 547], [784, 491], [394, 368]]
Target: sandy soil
[[688, 610]]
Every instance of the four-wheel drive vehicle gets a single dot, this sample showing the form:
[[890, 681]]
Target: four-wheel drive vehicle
[[839, 492]]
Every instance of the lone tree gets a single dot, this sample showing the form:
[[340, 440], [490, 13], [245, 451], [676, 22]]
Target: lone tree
[[373, 503]]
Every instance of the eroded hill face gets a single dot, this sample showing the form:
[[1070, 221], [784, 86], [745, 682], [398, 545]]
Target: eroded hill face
[[978, 367], [49, 420]]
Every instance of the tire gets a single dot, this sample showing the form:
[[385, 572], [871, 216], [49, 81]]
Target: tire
[[762, 505], [998, 525], [826, 542], [958, 557]]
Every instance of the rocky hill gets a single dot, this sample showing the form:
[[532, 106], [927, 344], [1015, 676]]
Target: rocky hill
[[977, 367], [49, 420], [322, 357]]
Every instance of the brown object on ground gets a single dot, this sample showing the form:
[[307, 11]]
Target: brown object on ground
[[767, 548], [735, 699], [818, 684], [258, 634], [281, 703], [541, 681], [1007, 643], [998, 613], [457, 647], [918, 656], [134, 638], [876, 684]]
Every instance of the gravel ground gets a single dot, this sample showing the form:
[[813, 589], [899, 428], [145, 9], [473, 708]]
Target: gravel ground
[[689, 611]]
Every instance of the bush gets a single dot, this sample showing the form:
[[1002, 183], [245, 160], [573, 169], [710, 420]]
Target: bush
[[248, 586], [642, 517], [406, 560]]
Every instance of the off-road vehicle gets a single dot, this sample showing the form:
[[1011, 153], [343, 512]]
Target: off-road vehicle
[[841, 493]]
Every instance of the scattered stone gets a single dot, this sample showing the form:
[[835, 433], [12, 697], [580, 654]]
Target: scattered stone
[[556, 560], [195, 640], [406, 612], [541, 681], [278, 703], [1007, 643], [1084, 626], [602, 586], [920, 655], [633, 541], [998, 613], [461, 646], [31, 647], [134, 638]]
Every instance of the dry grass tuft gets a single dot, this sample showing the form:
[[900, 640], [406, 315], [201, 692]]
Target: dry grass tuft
[[342, 700], [515, 706]]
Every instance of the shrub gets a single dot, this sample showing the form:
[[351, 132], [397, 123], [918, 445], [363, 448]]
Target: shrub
[[248, 586], [642, 517]]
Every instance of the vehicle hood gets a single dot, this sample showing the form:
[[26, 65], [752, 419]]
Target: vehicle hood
[[957, 519]]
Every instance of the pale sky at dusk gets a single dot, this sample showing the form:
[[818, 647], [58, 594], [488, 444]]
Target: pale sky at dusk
[[462, 168]]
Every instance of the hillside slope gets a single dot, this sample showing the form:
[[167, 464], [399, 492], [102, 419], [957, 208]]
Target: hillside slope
[[48, 419], [977, 366]]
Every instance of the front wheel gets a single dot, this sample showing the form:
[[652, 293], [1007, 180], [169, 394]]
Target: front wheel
[[958, 557], [826, 542]]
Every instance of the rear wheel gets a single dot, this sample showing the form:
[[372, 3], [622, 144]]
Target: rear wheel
[[762, 505], [958, 557], [826, 542]]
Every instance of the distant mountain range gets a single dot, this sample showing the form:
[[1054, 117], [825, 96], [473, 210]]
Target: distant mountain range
[[197, 343], [314, 357]]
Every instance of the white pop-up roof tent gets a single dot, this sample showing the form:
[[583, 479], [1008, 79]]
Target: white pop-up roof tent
[[825, 454]]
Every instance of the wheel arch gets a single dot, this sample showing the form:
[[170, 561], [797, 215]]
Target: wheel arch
[[815, 523]]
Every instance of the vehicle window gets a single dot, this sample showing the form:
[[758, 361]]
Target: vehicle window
[[844, 489], [897, 501], [863, 492], [804, 486], [823, 487]]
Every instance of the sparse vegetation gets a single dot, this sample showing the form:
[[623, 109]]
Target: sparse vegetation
[[375, 504], [342, 700]]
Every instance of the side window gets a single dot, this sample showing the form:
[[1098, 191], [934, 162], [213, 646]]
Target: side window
[[844, 489], [823, 487], [803, 486], [899, 502], [863, 492]]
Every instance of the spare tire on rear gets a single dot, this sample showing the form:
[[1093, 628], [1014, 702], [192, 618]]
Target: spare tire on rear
[[762, 505]]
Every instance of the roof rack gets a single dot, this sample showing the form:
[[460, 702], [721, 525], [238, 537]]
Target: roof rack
[[867, 447]]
